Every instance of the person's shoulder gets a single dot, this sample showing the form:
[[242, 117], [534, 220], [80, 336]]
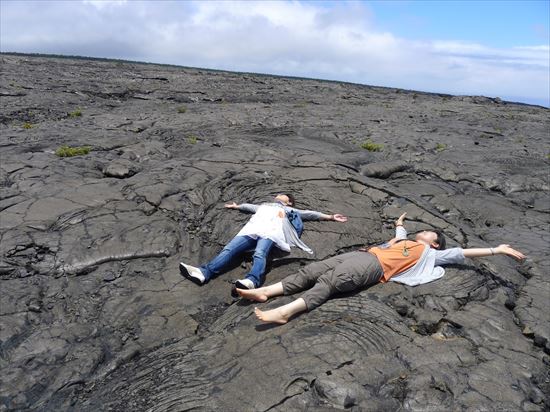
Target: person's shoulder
[[422, 246]]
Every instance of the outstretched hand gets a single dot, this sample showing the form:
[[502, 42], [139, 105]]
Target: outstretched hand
[[232, 205], [401, 219], [507, 250], [339, 218]]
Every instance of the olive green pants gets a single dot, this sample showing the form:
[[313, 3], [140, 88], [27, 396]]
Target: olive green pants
[[338, 274]]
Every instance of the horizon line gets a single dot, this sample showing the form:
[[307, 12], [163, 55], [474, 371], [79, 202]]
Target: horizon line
[[112, 59]]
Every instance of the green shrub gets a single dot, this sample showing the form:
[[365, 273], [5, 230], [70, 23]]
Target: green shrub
[[27, 125], [182, 109], [192, 139], [67, 151], [76, 113], [440, 147], [371, 147]]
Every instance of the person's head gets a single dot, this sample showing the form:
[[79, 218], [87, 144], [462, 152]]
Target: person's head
[[286, 199], [434, 238]]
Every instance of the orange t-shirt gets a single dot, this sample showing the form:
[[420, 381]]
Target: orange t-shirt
[[398, 257]]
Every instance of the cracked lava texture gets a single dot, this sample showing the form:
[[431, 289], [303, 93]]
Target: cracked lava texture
[[95, 315]]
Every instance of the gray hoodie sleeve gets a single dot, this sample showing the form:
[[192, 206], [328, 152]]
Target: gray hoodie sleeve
[[449, 256], [248, 207], [400, 232], [308, 214]]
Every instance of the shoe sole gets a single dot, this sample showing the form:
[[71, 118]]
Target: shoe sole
[[239, 285], [185, 273]]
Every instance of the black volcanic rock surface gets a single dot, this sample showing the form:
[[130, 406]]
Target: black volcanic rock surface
[[95, 315]]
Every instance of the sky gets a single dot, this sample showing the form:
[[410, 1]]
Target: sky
[[490, 48]]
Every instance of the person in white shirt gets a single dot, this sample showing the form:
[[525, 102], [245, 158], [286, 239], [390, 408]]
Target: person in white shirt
[[411, 262], [269, 226]]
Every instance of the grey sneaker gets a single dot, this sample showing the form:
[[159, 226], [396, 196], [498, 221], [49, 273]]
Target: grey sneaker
[[192, 273], [244, 284]]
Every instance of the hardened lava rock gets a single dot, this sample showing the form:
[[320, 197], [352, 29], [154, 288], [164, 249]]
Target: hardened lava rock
[[95, 315]]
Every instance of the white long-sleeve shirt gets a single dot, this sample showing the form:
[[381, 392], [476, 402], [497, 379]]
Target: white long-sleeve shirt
[[428, 268], [270, 222]]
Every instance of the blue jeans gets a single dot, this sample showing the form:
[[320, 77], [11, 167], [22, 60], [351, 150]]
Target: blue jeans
[[237, 246]]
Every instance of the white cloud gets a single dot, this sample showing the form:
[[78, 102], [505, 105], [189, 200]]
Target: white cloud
[[101, 4], [310, 39]]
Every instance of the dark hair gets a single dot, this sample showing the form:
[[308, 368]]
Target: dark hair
[[441, 242], [290, 199]]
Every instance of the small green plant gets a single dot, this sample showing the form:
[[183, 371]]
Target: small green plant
[[548, 156], [371, 147], [68, 151], [182, 109], [192, 139], [76, 113], [440, 147], [27, 126]]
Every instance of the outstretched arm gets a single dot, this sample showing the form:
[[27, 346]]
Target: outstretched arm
[[457, 254], [400, 231], [337, 217], [499, 250], [313, 215], [245, 207]]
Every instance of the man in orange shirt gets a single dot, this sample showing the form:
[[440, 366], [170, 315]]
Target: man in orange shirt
[[411, 262]]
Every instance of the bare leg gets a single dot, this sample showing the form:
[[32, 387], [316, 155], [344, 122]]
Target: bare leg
[[282, 313], [262, 294]]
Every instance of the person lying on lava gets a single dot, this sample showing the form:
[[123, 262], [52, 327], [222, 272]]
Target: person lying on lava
[[274, 224], [412, 262]]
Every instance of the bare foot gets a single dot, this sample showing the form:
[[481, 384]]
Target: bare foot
[[274, 315], [252, 294]]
